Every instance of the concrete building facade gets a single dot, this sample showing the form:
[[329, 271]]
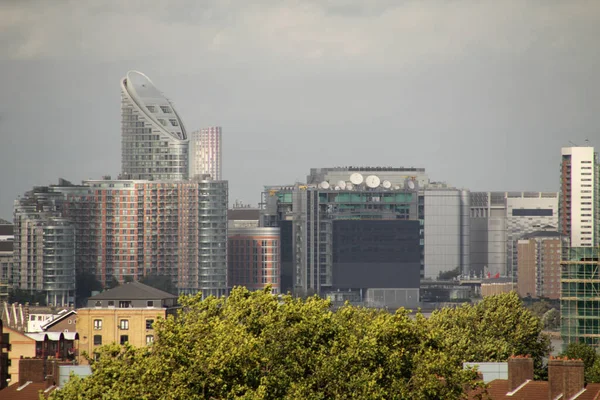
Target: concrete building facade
[[539, 257], [580, 196], [154, 141], [499, 219], [446, 231], [206, 153]]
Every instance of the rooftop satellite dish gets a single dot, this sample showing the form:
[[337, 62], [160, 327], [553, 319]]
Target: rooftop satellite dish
[[349, 186], [356, 178], [411, 184], [324, 185], [372, 181], [386, 184], [337, 187], [342, 184], [396, 187]]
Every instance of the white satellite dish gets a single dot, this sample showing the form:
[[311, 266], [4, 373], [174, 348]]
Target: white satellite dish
[[349, 186], [324, 185], [356, 178], [411, 184], [386, 184], [342, 184], [396, 187], [336, 187], [372, 181]]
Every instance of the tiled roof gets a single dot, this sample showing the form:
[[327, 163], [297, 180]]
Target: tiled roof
[[29, 391], [532, 390], [58, 319], [133, 291]]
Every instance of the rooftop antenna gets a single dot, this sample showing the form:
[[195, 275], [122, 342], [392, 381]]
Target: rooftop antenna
[[574, 144]]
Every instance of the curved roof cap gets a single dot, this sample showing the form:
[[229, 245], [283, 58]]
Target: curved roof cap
[[153, 104]]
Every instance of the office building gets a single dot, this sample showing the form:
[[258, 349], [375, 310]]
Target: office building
[[254, 258], [44, 247], [580, 196], [154, 142], [539, 256], [446, 228], [354, 239], [206, 153], [499, 219], [125, 314], [579, 305], [397, 176]]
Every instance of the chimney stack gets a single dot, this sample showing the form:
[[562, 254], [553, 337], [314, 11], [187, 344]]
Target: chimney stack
[[565, 377], [520, 370]]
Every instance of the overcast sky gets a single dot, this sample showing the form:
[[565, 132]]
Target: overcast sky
[[481, 93]]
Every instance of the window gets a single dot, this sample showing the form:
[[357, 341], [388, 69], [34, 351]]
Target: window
[[97, 340], [124, 304], [173, 122], [150, 303], [97, 324], [98, 304], [152, 109], [124, 324], [111, 303], [149, 323], [165, 109], [124, 339], [149, 339]]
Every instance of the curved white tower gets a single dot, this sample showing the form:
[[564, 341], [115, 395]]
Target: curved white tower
[[154, 143]]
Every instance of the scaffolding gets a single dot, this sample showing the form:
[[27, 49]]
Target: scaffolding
[[580, 296]]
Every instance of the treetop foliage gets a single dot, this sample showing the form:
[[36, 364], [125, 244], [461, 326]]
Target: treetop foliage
[[253, 345]]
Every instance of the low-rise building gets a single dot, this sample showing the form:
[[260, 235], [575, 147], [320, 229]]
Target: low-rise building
[[125, 314]]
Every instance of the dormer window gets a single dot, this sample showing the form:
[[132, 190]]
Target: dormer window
[[174, 122], [124, 304], [166, 109], [152, 109]]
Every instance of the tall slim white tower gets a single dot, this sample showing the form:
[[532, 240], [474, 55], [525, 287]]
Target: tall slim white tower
[[206, 153], [579, 208]]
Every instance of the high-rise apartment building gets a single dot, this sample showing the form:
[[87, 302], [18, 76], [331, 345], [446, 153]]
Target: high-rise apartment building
[[6, 257], [131, 229], [44, 247], [580, 196], [206, 153], [539, 258], [154, 141]]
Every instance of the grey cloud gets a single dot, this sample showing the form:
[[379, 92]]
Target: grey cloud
[[481, 93]]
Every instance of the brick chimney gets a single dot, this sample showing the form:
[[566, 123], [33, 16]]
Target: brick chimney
[[565, 377], [520, 369]]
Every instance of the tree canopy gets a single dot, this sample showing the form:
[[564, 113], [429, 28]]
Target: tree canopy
[[589, 356], [491, 330], [254, 345]]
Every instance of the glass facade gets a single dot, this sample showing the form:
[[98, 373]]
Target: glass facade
[[580, 296], [154, 141]]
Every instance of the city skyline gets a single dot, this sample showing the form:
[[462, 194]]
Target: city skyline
[[429, 95]]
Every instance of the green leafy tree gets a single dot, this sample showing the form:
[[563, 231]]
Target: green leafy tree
[[551, 319], [254, 345], [589, 356], [491, 330], [85, 284], [160, 282], [449, 275], [25, 296]]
